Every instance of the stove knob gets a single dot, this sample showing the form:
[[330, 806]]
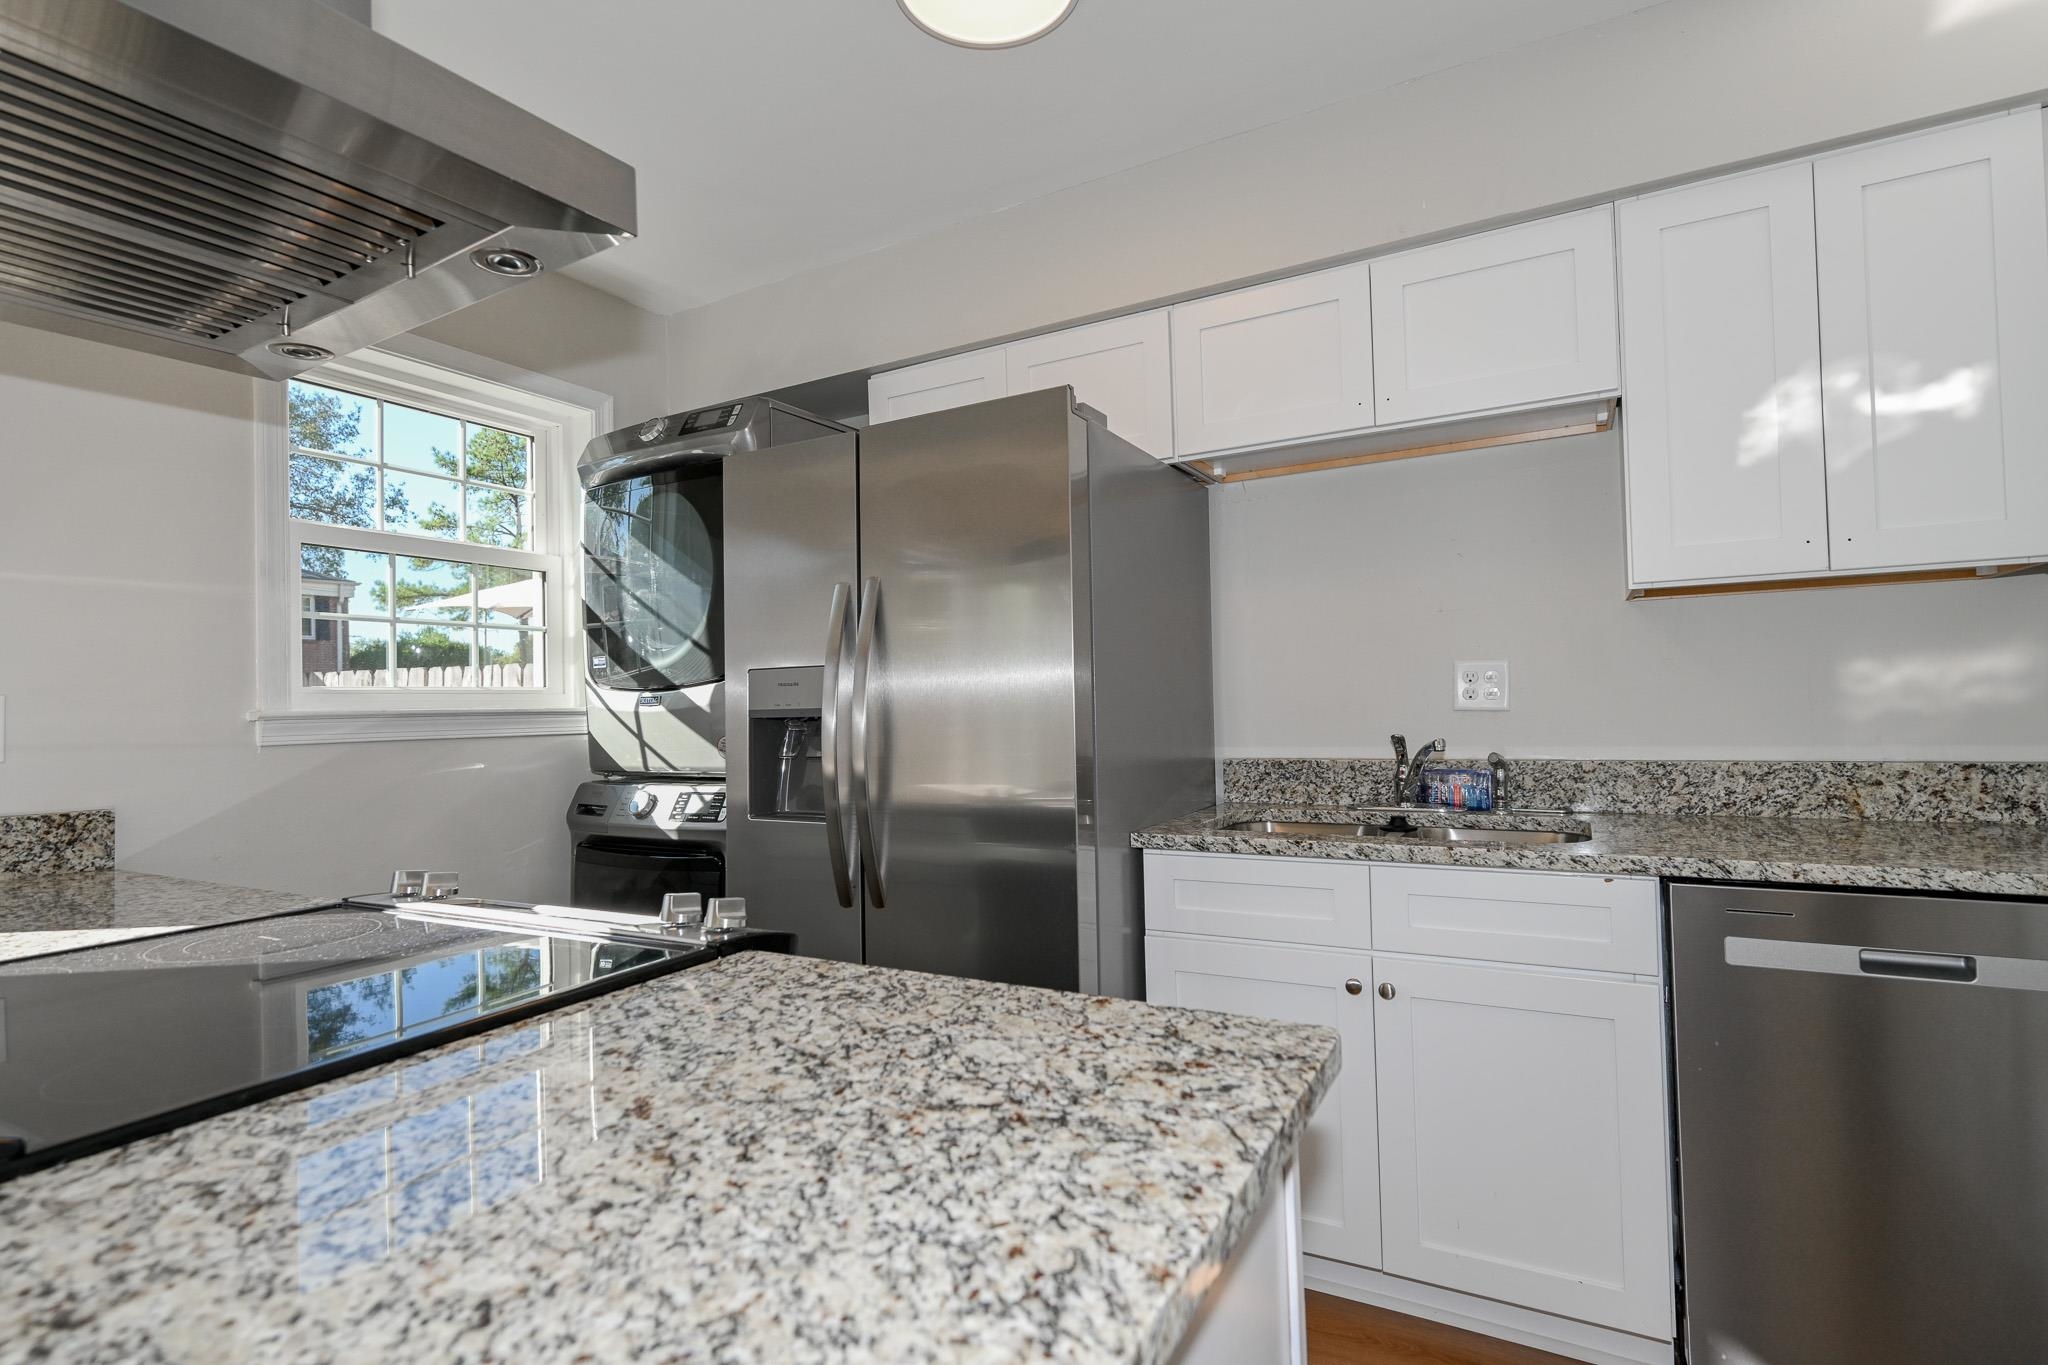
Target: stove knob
[[643, 804]]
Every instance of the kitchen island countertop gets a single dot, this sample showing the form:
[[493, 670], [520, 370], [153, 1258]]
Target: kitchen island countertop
[[58, 911], [1957, 856], [766, 1159]]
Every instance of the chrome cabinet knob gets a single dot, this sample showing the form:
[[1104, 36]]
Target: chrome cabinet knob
[[1386, 990], [1354, 985]]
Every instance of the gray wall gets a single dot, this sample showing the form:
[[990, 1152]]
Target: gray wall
[[1343, 599], [1663, 93], [127, 627]]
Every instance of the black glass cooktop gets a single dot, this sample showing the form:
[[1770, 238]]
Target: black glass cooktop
[[102, 1045]]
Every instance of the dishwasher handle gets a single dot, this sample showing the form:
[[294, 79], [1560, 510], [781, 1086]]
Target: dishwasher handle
[[1926, 966]]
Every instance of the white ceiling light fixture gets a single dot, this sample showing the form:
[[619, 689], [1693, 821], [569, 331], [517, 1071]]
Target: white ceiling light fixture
[[987, 23]]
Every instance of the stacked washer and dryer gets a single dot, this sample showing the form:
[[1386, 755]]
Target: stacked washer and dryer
[[652, 818]]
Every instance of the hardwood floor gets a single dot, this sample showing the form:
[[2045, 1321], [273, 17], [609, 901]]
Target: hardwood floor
[[1341, 1332]]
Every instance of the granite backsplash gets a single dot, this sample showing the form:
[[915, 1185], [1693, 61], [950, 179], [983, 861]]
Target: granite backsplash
[[1998, 793], [58, 841]]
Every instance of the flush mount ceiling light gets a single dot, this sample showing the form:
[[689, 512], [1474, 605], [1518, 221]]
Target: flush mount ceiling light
[[987, 23]]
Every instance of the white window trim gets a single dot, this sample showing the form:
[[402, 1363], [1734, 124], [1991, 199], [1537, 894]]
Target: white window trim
[[563, 418]]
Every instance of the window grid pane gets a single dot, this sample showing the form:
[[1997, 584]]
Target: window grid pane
[[480, 493], [422, 629]]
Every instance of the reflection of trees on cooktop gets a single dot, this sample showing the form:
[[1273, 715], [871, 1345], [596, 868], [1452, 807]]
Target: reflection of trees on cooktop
[[420, 997], [348, 1013]]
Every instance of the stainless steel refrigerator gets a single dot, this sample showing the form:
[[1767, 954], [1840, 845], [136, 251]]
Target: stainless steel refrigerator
[[967, 654]]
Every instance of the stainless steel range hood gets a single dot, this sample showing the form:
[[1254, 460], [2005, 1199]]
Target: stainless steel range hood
[[256, 184]]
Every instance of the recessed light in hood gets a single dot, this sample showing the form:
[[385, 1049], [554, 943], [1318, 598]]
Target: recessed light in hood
[[987, 23], [505, 261], [263, 186]]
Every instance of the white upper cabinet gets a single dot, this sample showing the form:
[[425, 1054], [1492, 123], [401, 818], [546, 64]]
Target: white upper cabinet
[[1340, 1209], [1934, 346], [951, 382], [1119, 367], [1523, 1154], [1279, 362], [1497, 320], [1721, 358]]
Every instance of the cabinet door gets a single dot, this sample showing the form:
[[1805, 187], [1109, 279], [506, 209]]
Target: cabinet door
[[1340, 1209], [1285, 361], [1721, 353], [1535, 919], [952, 382], [1500, 319], [1325, 902], [1522, 1140], [1934, 346], [1119, 367]]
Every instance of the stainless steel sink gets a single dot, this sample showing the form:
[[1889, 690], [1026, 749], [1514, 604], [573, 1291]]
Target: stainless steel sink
[[1296, 829], [1427, 834], [1435, 834]]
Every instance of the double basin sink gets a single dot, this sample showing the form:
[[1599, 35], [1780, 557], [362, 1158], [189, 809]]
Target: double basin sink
[[1398, 827]]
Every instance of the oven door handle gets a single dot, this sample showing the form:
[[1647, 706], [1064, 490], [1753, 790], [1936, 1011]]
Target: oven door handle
[[838, 696], [863, 738]]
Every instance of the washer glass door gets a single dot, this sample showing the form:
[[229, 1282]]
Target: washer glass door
[[653, 556]]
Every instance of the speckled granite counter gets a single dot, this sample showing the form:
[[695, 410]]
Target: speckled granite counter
[[769, 1159], [1990, 859], [1964, 792], [57, 841], [59, 911]]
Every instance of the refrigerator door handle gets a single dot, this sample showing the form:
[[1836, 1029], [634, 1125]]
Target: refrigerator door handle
[[863, 735], [838, 644]]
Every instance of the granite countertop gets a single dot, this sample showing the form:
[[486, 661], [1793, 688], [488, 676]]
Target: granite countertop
[[766, 1159], [55, 912], [1987, 859]]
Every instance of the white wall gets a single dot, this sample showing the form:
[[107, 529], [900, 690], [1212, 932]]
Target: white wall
[[555, 326], [127, 618], [1344, 598], [1664, 93]]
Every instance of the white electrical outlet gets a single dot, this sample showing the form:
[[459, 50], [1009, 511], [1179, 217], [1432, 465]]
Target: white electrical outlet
[[1480, 685]]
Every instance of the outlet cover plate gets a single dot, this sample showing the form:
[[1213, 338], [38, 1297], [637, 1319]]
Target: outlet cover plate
[[1480, 685]]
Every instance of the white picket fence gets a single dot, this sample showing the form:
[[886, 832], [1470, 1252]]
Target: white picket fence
[[490, 675]]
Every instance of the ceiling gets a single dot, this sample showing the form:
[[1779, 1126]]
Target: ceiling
[[774, 136]]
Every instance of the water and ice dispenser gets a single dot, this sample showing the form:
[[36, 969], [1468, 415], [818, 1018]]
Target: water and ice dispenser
[[786, 770]]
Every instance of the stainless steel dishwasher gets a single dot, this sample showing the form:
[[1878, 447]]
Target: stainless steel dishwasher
[[1862, 1126]]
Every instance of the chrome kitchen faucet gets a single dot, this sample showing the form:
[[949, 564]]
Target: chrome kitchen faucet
[[1408, 772]]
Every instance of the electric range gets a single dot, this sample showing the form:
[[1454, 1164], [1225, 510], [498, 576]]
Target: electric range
[[100, 1046]]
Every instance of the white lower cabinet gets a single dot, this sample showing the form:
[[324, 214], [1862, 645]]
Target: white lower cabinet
[[1522, 1139], [1340, 1212], [1500, 1127]]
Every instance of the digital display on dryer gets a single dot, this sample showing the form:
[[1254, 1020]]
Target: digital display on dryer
[[709, 419]]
